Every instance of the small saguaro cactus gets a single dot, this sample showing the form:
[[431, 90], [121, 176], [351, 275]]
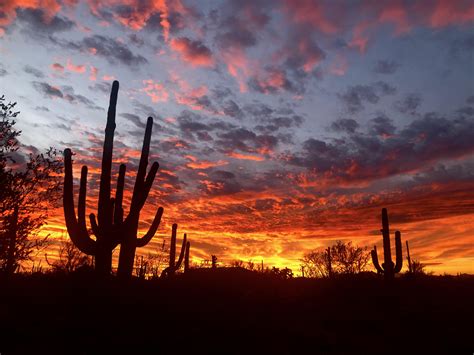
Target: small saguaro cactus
[[408, 258], [388, 268], [186, 257], [110, 228], [173, 264]]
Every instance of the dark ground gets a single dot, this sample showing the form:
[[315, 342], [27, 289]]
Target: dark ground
[[236, 312]]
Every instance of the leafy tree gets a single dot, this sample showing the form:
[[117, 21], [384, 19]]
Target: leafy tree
[[29, 184], [341, 258]]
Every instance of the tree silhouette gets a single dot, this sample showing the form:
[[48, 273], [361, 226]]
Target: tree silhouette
[[69, 259], [29, 185], [341, 258]]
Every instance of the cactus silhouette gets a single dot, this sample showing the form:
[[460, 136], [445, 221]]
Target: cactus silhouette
[[388, 268], [408, 258], [111, 228], [186, 257], [173, 264]]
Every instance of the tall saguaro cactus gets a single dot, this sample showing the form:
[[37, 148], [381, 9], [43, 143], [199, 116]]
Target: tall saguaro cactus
[[110, 228], [173, 264], [388, 268]]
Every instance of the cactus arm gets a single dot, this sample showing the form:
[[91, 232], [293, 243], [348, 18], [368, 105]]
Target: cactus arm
[[94, 226], [76, 229], [81, 205], [398, 250], [138, 189], [148, 183], [375, 260], [118, 212], [141, 242], [181, 254], [104, 211]]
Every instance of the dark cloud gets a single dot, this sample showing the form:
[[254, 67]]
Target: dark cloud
[[355, 96], [104, 87], [246, 141], [65, 92], [47, 90], [33, 71], [386, 67], [3, 72], [383, 153], [274, 124], [134, 119], [409, 104], [37, 23], [381, 126], [109, 48], [347, 125], [232, 109]]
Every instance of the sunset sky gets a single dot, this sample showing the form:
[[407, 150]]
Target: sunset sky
[[280, 126]]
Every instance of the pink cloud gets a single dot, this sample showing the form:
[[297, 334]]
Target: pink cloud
[[155, 91]]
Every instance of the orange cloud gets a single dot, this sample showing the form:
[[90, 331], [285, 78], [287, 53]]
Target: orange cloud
[[203, 164], [57, 67], [192, 52], [94, 72], [75, 68], [245, 156]]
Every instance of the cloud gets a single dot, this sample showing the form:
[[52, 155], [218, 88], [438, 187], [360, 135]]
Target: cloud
[[347, 125], [355, 96], [33, 71], [386, 67], [108, 48], [381, 126], [192, 52], [37, 22], [65, 92], [386, 151], [155, 91], [47, 90], [409, 104]]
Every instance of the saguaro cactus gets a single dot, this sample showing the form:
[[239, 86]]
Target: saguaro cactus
[[408, 258], [110, 228], [388, 268], [186, 257], [173, 264]]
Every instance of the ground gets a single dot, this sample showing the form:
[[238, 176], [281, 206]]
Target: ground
[[236, 312]]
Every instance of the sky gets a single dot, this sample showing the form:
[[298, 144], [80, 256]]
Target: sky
[[280, 126]]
